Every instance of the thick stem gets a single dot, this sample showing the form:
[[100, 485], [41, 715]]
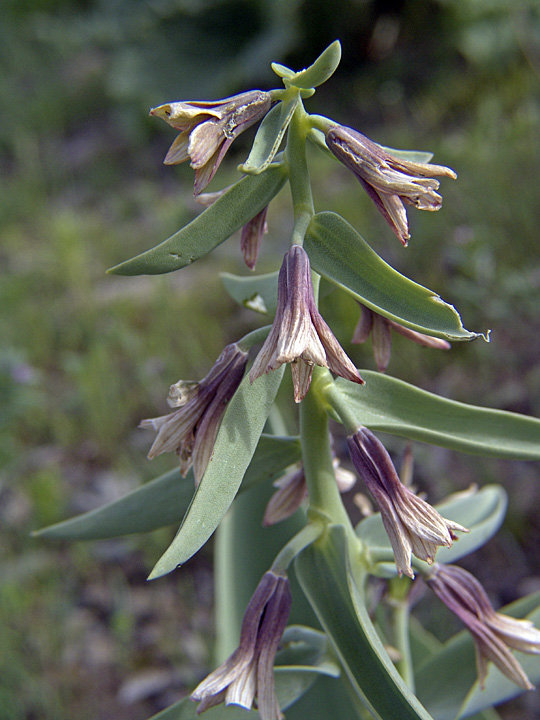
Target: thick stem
[[339, 405], [298, 174]]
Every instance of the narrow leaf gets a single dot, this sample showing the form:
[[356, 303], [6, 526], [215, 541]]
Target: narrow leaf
[[341, 255], [164, 501], [257, 293], [323, 68], [325, 576], [235, 444], [269, 137], [282, 71], [482, 513], [212, 227], [396, 407]]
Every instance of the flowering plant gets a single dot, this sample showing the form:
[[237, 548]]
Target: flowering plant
[[335, 652]]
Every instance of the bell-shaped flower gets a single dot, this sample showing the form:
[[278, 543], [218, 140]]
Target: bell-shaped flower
[[249, 672], [380, 329], [389, 181], [292, 491], [191, 430], [299, 335], [494, 634], [413, 526], [207, 129]]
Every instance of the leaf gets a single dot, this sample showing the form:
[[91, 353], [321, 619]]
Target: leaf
[[257, 293], [226, 215], [235, 444], [340, 254], [325, 576], [396, 407], [482, 513], [269, 137], [322, 69], [446, 682], [164, 501], [282, 71]]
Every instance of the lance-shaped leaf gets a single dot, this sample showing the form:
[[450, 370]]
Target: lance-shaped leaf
[[325, 576], [396, 407], [257, 293], [340, 254], [164, 501], [446, 681], [269, 137], [225, 216], [235, 444], [481, 513], [318, 73]]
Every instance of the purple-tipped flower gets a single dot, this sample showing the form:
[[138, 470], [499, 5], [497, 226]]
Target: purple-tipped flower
[[413, 526], [252, 235], [292, 491], [389, 181], [380, 329], [207, 129], [494, 634], [299, 335], [249, 672], [191, 430]]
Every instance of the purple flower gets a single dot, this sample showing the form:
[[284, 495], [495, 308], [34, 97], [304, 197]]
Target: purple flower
[[299, 335], [249, 672], [207, 129], [413, 526], [191, 430], [389, 181], [379, 327], [494, 634]]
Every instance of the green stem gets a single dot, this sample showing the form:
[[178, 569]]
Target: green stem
[[401, 611], [301, 540], [299, 181], [339, 405], [324, 496]]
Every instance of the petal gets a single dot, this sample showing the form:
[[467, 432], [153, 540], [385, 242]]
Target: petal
[[178, 152]]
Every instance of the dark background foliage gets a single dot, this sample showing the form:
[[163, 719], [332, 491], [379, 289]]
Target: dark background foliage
[[84, 356]]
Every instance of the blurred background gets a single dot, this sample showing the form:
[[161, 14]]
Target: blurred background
[[85, 356]]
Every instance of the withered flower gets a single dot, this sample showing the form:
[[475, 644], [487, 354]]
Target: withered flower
[[249, 672], [292, 491], [207, 129], [379, 327], [389, 181], [413, 526], [299, 335], [494, 634], [191, 430]]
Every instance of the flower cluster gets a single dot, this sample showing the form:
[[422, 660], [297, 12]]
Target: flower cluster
[[494, 634], [413, 526]]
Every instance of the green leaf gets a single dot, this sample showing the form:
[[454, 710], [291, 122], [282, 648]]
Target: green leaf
[[269, 137], [446, 682], [282, 71], [318, 73], [340, 254], [325, 576], [225, 216], [164, 501], [235, 444], [257, 293], [482, 513], [396, 407]]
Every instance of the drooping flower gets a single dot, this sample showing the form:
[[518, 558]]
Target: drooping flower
[[389, 181], [413, 526], [191, 430], [379, 327], [494, 634], [299, 335], [292, 491], [249, 672], [207, 129]]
